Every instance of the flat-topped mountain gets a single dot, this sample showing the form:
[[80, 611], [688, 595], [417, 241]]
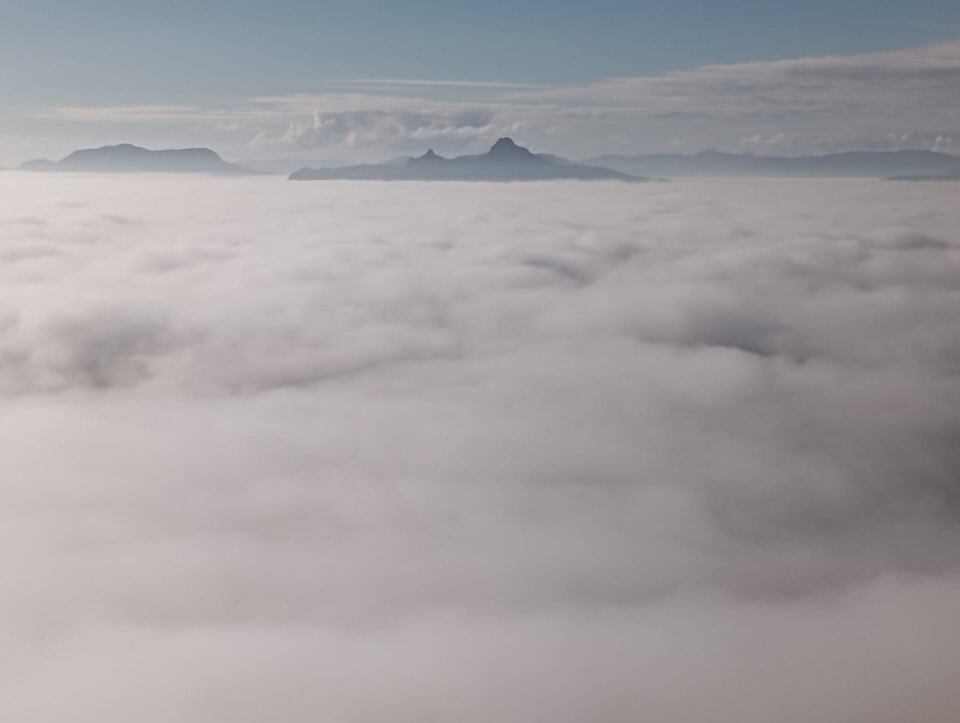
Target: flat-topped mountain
[[505, 161], [856, 163], [127, 158]]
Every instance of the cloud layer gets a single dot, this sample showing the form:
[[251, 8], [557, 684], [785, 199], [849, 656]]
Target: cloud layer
[[550, 452]]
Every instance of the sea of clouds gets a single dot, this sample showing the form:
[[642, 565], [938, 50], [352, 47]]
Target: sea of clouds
[[545, 453]]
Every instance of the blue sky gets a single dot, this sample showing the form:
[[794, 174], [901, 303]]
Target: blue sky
[[215, 56]]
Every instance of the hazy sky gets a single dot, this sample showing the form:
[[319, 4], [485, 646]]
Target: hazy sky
[[251, 77]]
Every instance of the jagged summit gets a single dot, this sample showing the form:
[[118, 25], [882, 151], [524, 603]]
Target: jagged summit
[[505, 161], [508, 147]]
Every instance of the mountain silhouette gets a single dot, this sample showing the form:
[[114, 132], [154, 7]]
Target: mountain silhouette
[[127, 158], [286, 166], [855, 163], [921, 177], [505, 161]]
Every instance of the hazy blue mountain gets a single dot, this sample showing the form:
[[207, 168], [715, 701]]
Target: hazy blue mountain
[[856, 163], [286, 166], [947, 177], [41, 164], [126, 158], [505, 161]]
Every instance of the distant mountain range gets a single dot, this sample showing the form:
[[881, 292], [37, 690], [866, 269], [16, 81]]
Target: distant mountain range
[[127, 158], [505, 161], [875, 164], [948, 177]]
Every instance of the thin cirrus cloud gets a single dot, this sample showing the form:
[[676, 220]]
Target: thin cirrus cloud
[[390, 82], [549, 452], [899, 99], [807, 104], [788, 84]]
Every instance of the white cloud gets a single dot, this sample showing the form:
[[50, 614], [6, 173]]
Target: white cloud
[[545, 452], [386, 129]]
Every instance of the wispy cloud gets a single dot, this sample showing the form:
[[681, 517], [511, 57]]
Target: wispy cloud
[[802, 85], [427, 83], [130, 113]]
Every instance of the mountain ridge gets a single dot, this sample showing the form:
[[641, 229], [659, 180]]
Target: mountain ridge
[[846, 163], [504, 162]]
